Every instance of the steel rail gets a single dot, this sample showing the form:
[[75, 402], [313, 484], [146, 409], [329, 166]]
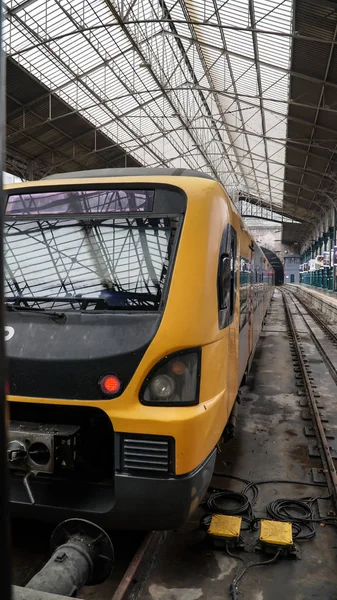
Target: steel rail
[[153, 538], [318, 319], [323, 444], [326, 330]]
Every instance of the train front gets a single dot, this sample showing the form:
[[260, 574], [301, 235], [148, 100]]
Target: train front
[[88, 271]]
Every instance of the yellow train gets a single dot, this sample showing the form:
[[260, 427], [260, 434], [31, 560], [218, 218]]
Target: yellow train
[[135, 299]]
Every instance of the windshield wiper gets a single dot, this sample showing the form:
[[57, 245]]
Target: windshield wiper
[[58, 317], [83, 302], [137, 301]]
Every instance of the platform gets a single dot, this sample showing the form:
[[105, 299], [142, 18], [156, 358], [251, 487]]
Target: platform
[[322, 291], [321, 299]]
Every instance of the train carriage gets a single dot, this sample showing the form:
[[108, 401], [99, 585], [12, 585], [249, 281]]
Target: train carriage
[[135, 299]]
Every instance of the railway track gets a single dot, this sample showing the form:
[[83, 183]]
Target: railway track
[[324, 328], [302, 365], [139, 567], [321, 322]]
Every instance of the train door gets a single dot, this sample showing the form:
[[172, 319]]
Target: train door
[[227, 294], [251, 301], [244, 320], [233, 327]]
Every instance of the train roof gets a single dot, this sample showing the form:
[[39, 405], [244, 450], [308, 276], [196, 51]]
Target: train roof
[[130, 172]]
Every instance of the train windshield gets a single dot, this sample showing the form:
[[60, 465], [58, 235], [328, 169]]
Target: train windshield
[[103, 262]]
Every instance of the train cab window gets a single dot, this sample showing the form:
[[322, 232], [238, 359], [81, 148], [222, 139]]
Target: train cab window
[[227, 277], [105, 261]]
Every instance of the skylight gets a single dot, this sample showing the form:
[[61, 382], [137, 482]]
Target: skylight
[[201, 84]]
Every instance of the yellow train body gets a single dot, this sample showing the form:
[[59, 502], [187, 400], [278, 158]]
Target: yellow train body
[[189, 320]]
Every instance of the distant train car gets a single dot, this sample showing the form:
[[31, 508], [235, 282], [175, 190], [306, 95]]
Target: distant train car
[[135, 299]]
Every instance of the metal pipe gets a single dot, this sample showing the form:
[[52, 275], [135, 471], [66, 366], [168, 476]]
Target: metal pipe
[[82, 555], [67, 571], [21, 593]]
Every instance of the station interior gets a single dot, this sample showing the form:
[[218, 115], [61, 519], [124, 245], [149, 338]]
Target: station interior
[[169, 272]]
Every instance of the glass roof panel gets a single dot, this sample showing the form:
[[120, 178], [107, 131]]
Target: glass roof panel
[[195, 83]]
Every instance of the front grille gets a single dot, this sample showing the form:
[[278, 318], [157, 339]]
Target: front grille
[[142, 453]]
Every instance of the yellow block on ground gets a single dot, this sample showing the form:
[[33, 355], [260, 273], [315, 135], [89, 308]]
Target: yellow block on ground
[[225, 526], [276, 532]]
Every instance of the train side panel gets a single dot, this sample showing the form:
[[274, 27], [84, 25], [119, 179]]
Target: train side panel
[[256, 286]]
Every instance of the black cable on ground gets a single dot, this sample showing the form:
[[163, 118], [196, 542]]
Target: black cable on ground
[[298, 512], [282, 509], [233, 588], [241, 501], [214, 504], [249, 485], [277, 481], [252, 486], [277, 510]]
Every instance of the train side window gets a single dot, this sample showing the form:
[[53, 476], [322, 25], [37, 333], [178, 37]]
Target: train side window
[[227, 277], [224, 281]]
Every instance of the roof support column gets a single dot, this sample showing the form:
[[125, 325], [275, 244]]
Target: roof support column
[[30, 170]]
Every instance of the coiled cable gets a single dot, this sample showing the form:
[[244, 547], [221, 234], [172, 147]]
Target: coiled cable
[[215, 505], [279, 510], [241, 501], [250, 485], [297, 512]]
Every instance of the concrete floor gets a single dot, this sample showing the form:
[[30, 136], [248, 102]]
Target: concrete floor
[[269, 444]]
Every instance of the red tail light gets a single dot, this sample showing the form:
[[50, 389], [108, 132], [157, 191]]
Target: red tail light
[[110, 385]]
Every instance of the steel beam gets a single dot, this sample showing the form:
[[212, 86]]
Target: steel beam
[[208, 76], [320, 100]]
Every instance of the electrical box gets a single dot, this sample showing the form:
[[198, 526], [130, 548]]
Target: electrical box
[[276, 536], [225, 529], [276, 532]]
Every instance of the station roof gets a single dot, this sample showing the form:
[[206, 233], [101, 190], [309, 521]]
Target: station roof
[[244, 90], [44, 135]]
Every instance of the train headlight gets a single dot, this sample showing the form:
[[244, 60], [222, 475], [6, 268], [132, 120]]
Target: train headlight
[[174, 381], [162, 386]]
